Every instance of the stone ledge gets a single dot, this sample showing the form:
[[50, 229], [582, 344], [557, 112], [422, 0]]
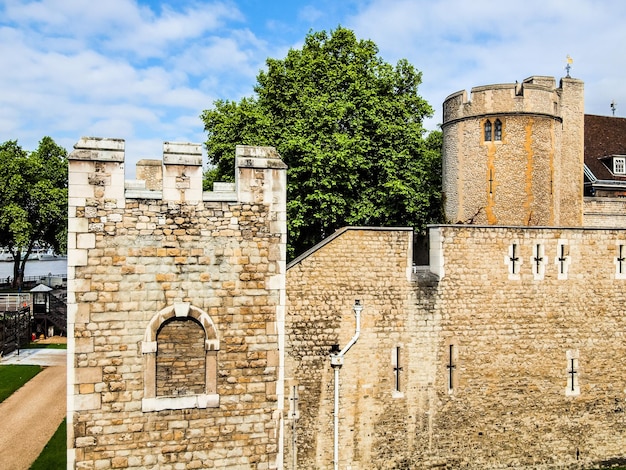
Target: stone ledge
[[180, 403], [143, 194], [219, 196]]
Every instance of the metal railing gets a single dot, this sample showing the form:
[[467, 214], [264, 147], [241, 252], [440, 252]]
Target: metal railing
[[14, 302], [15, 330], [47, 279]]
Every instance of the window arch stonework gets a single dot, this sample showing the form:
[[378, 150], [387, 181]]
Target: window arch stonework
[[492, 131], [487, 135], [180, 358], [200, 348], [498, 130]]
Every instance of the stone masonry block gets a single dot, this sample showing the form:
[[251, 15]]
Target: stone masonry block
[[77, 257], [88, 374], [91, 401], [83, 345], [86, 240], [72, 309], [87, 441], [273, 358], [82, 312], [80, 175], [71, 241], [77, 200], [78, 225], [79, 285]]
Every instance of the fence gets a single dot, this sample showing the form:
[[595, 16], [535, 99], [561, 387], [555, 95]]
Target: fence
[[14, 302], [15, 330], [50, 280]]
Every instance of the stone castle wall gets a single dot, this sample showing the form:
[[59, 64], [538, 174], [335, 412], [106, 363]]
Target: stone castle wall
[[193, 345], [175, 312], [534, 95], [569, 172], [373, 266], [486, 349], [606, 212], [515, 334], [530, 175]]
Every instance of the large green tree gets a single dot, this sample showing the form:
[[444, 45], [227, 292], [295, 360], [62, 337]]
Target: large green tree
[[350, 128], [33, 200]]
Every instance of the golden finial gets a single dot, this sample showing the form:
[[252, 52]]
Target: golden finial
[[570, 61]]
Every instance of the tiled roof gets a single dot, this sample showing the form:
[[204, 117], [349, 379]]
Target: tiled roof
[[604, 136]]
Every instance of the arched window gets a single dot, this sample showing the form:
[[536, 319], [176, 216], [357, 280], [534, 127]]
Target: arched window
[[498, 130], [487, 130], [180, 358], [180, 348]]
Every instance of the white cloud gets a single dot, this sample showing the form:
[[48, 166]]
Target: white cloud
[[113, 69], [237, 54], [310, 13], [157, 36], [120, 25], [459, 44], [133, 70]]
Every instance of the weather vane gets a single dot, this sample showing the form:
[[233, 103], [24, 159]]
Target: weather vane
[[613, 106], [570, 61]]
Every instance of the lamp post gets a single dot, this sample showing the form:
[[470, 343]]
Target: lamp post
[[336, 361]]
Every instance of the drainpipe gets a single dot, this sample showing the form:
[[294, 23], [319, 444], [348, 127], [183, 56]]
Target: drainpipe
[[336, 361]]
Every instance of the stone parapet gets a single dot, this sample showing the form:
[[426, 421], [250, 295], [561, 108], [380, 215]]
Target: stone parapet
[[99, 149], [151, 173], [175, 312], [534, 95], [97, 170], [182, 153]]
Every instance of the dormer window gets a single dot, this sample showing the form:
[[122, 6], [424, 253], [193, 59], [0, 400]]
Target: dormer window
[[619, 165]]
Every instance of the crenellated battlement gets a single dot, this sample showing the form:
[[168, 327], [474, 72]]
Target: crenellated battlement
[[534, 95], [169, 290], [97, 171], [513, 153]]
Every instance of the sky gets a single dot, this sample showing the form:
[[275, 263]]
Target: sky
[[144, 70]]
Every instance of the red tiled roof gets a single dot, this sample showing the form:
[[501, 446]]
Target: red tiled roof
[[604, 136]]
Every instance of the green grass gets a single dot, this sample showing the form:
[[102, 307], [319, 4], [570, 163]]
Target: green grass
[[47, 346], [13, 377], [54, 454]]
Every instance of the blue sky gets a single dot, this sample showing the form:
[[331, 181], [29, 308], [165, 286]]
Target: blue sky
[[144, 70]]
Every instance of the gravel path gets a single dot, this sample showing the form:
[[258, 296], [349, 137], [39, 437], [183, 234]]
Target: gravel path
[[30, 416]]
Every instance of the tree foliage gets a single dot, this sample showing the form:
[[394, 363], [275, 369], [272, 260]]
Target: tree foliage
[[33, 191], [349, 126]]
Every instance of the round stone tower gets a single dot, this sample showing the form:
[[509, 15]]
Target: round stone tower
[[513, 154]]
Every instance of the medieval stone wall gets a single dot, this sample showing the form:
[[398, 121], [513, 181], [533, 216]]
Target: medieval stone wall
[[509, 359], [181, 361], [531, 174], [377, 425], [150, 171], [163, 282], [516, 331], [606, 212]]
